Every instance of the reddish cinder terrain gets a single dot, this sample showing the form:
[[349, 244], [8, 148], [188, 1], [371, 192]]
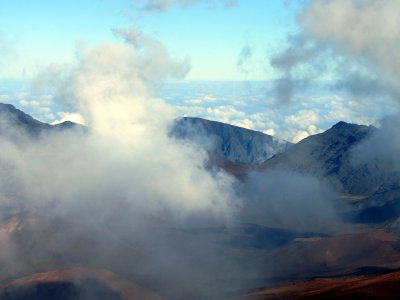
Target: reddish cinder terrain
[[73, 284], [364, 287]]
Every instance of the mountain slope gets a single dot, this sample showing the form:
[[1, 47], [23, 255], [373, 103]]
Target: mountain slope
[[365, 287], [78, 283], [333, 155], [13, 120], [330, 155], [326, 155], [227, 143], [237, 144]]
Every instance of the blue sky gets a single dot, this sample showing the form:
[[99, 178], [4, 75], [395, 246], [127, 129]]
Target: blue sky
[[35, 34], [212, 36]]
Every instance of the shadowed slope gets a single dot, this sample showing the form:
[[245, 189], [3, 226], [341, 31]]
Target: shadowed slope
[[366, 287], [237, 144], [74, 284]]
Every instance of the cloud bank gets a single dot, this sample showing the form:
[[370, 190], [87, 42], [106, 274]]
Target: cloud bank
[[121, 195], [291, 200], [355, 41]]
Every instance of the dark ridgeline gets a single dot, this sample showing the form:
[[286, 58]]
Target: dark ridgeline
[[74, 284], [333, 155], [13, 120], [237, 144], [328, 155], [371, 191]]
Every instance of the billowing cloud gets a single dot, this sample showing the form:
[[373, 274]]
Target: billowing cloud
[[124, 189], [301, 125], [355, 41], [71, 117], [360, 30], [293, 66], [291, 200], [112, 89]]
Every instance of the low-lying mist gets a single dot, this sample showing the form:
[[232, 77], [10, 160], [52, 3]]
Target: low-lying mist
[[126, 197], [115, 194], [287, 199]]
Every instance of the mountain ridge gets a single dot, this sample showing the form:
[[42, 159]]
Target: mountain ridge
[[237, 144], [327, 154], [14, 118]]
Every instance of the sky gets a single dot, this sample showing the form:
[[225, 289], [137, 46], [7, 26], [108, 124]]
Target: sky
[[289, 68], [210, 35]]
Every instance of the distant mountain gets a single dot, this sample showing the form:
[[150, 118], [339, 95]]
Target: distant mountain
[[332, 155], [230, 144], [327, 155], [226, 260], [237, 144], [370, 188], [13, 120]]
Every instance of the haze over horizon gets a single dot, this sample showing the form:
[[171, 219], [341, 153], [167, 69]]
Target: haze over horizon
[[270, 73]]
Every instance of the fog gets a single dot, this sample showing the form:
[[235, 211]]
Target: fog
[[287, 199], [354, 41], [121, 194], [125, 196]]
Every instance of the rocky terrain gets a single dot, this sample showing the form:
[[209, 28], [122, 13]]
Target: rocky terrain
[[238, 145], [12, 120], [361, 287], [356, 255]]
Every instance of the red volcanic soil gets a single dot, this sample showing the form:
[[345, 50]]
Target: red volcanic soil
[[78, 283], [360, 254], [369, 287]]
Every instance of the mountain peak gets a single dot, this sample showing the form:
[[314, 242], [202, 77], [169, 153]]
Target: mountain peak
[[13, 118], [5, 106], [16, 117], [344, 125], [341, 124]]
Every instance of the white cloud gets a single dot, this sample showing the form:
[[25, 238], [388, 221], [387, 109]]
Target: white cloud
[[245, 123], [301, 125], [363, 31], [303, 119], [123, 182], [355, 41], [225, 113], [270, 131], [72, 117], [199, 101], [111, 87]]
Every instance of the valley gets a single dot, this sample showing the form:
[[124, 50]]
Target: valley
[[304, 211]]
